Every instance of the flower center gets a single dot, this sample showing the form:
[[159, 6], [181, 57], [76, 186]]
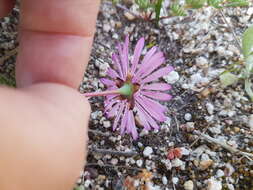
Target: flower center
[[127, 90]]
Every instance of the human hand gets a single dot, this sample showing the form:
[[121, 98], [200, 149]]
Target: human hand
[[44, 121]]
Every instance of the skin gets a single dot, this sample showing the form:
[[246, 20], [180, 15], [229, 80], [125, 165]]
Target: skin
[[43, 131]]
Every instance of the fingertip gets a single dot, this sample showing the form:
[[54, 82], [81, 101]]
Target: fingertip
[[5, 7]]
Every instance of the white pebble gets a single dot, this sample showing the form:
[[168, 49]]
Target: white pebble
[[147, 151], [188, 185], [219, 173], [164, 180], [210, 108], [106, 124], [187, 116], [251, 122], [114, 161], [175, 180], [139, 163], [184, 151], [201, 61], [172, 77], [213, 184], [176, 163]]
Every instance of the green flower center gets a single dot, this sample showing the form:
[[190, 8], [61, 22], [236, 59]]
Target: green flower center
[[127, 90]]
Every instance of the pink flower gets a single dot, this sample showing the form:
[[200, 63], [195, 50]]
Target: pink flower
[[133, 88]]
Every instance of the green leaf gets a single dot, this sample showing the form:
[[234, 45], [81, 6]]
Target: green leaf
[[247, 42], [195, 4], [158, 7], [143, 4], [215, 3], [237, 3], [248, 88], [228, 78], [177, 10]]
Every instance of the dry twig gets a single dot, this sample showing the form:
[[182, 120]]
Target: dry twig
[[113, 152], [224, 145]]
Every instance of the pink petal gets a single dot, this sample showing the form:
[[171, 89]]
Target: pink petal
[[137, 53], [125, 54], [157, 86], [116, 61], [143, 120], [119, 114], [109, 104], [157, 74], [131, 125], [157, 95], [123, 124], [112, 73], [149, 54], [158, 115], [157, 106], [107, 82], [113, 111], [145, 59], [154, 62], [122, 61], [148, 118]]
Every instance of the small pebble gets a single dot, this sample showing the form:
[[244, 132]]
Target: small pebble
[[164, 180], [129, 16], [172, 77], [114, 161], [213, 184], [139, 163], [106, 124], [203, 165], [188, 185], [210, 108], [175, 180], [187, 116], [251, 122], [147, 151], [219, 173], [176, 163]]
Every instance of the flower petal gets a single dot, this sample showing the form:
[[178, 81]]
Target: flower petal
[[125, 54], [143, 120], [137, 53], [123, 124], [157, 95], [122, 57], [116, 61], [155, 105], [157, 86], [112, 73], [154, 62], [149, 119], [109, 104], [131, 125], [113, 111], [119, 114], [157, 74], [107, 82], [158, 115]]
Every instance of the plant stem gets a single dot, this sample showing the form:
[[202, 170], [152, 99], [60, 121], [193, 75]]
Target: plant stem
[[104, 93]]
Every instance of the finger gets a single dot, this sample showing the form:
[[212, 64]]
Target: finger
[[55, 40], [5, 7], [38, 150]]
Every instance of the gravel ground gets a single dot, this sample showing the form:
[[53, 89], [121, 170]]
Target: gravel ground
[[208, 136]]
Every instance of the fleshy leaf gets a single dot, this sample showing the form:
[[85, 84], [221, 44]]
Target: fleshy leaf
[[227, 79], [248, 88], [247, 42]]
